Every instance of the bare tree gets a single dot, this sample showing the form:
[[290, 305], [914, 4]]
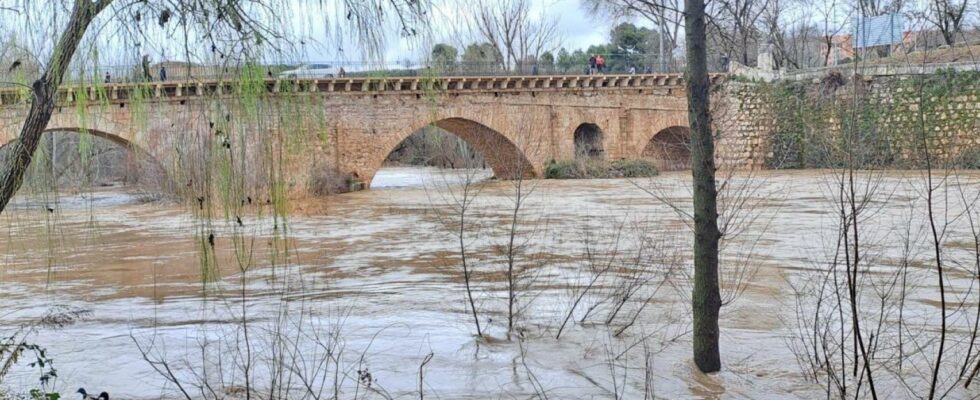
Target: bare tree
[[735, 22], [513, 31], [789, 27], [871, 8], [458, 200], [518, 271], [949, 16], [830, 28], [706, 296]]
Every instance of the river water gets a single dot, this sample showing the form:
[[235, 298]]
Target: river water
[[373, 281]]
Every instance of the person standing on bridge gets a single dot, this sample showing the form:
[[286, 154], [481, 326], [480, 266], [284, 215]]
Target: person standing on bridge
[[163, 73], [632, 70], [592, 65], [600, 63]]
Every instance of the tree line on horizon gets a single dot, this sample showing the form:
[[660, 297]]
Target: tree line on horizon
[[629, 46]]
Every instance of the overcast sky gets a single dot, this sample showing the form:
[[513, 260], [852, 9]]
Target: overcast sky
[[324, 37], [577, 30]]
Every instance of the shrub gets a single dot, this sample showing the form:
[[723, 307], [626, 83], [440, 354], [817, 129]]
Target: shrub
[[564, 169], [969, 158], [594, 169], [634, 168], [599, 169], [325, 181]]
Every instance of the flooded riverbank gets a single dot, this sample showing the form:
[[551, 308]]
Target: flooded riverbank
[[371, 281]]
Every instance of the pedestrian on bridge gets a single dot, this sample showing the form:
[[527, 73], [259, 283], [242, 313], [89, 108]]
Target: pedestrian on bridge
[[600, 63], [163, 73], [592, 65]]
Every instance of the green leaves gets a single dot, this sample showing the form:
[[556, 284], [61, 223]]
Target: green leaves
[[38, 394]]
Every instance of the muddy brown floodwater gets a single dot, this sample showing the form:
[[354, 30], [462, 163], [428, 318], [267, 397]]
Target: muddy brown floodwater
[[375, 276]]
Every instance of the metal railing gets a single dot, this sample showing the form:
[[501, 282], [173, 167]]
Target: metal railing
[[890, 69], [178, 71]]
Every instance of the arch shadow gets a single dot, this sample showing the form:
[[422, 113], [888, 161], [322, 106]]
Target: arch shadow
[[588, 139], [503, 156], [670, 149]]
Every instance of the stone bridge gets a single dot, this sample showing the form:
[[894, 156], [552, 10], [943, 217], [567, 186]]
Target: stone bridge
[[517, 123]]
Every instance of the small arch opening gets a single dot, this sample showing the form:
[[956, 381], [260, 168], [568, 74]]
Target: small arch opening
[[670, 149], [588, 142]]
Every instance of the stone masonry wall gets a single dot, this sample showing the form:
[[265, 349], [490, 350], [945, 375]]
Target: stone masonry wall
[[772, 124], [743, 121], [293, 137]]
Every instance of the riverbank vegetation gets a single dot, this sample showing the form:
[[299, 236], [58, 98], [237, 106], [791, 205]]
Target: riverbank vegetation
[[599, 169], [810, 120]]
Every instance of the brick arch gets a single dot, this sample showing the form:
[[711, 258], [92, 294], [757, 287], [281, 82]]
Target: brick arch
[[589, 141], [117, 127], [139, 151], [569, 121], [655, 123], [670, 148], [506, 159]]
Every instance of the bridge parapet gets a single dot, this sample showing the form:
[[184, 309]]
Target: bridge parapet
[[374, 85]]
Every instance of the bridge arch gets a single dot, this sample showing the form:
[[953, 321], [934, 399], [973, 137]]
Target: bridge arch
[[670, 148], [133, 148], [589, 139], [502, 155]]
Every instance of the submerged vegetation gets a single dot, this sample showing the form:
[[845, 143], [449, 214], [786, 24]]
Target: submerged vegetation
[[599, 169]]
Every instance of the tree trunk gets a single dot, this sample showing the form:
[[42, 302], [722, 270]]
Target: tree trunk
[[43, 97], [706, 298]]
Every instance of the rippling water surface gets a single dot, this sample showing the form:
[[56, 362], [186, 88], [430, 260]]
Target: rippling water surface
[[379, 273]]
